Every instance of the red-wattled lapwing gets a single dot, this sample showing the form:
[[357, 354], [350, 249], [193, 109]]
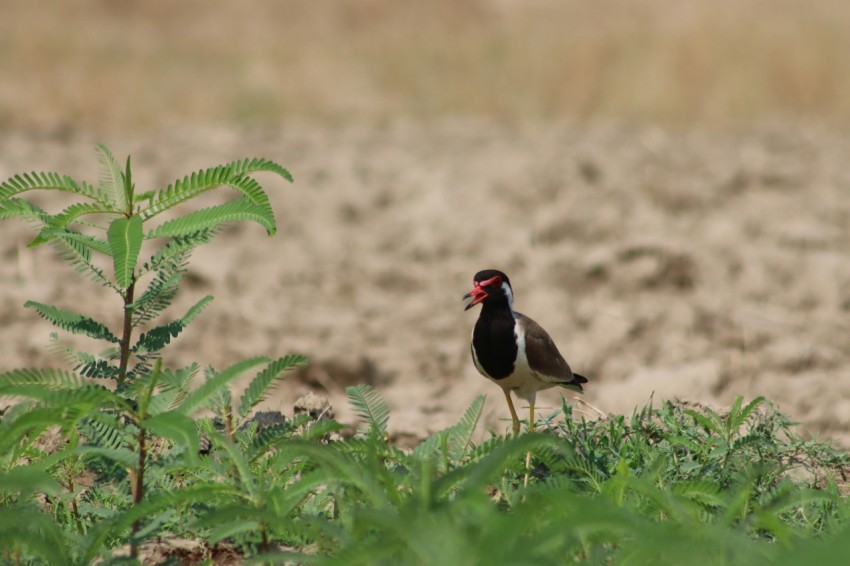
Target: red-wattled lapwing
[[512, 350]]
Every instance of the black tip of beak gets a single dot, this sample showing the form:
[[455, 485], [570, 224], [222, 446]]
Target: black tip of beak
[[466, 296], [469, 306]]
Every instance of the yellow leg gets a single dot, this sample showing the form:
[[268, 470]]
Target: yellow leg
[[528, 454], [513, 412]]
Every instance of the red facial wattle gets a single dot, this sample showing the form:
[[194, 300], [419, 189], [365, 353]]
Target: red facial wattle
[[478, 293]]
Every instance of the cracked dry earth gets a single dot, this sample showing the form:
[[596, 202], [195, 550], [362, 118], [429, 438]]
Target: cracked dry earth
[[698, 265]]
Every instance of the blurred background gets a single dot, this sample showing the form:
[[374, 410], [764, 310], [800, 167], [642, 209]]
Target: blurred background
[[113, 64], [665, 181]]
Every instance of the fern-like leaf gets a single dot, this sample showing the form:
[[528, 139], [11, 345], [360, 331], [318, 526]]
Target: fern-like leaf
[[157, 297], [104, 429], [68, 236], [178, 384], [22, 424], [91, 394], [19, 208], [370, 407], [207, 179], [76, 210], [260, 385], [122, 456], [710, 423], [705, 492], [44, 378], [218, 381], [77, 252], [157, 338], [214, 216], [73, 322], [186, 188], [177, 427], [125, 243], [460, 435], [475, 477], [25, 481], [176, 251], [252, 190], [46, 181], [248, 166], [740, 416], [111, 178]]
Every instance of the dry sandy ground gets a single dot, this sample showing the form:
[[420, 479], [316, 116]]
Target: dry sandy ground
[[693, 265]]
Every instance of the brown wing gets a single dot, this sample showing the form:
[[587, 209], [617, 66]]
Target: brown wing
[[544, 359]]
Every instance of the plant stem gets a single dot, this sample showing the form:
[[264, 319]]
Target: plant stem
[[75, 511], [125, 337], [265, 539], [138, 488], [228, 422]]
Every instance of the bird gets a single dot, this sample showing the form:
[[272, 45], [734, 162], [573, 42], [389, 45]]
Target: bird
[[511, 349]]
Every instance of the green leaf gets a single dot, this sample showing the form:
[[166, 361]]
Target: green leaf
[[104, 429], [157, 338], [177, 427], [71, 237], [20, 430], [259, 386], [247, 166], [73, 322], [19, 208], [709, 423], [157, 297], [196, 309], [26, 481], [343, 468], [47, 181], [232, 527], [214, 216], [370, 407], [125, 242], [45, 378], [112, 178], [121, 456], [74, 211], [476, 477], [232, 174], [213, 386], [739, 417], [76, 249], [155, 502], [186, 188], [460, 435], [176, 251], [25, 526]]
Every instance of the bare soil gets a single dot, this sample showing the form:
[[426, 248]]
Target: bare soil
[[699, 266]]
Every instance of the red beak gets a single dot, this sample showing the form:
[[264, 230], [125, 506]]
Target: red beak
[[478, 294]]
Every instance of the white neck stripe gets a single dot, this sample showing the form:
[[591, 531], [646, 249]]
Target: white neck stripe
[[506, 288]]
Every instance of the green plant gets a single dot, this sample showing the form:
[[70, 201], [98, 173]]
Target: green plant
[[103, 236]]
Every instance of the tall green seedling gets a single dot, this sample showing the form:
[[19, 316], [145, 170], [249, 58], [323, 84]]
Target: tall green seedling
[[121, 239]]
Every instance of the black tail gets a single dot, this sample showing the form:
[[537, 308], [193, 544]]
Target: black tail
[[575, 384]]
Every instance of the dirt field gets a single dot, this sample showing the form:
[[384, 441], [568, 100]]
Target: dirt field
[[621, 161], [665, 265]]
